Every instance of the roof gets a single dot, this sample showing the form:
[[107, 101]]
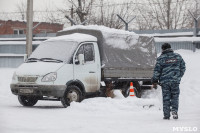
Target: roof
[[76, 37], [103, 29], [178, 39]]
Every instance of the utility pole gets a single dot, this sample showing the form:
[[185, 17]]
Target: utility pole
[[29, 27], [72, 14], [126, 23], [196, 19], [195, 31]]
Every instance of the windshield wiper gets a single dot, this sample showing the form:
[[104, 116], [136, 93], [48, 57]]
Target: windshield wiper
[[32, 59], [50, 60]]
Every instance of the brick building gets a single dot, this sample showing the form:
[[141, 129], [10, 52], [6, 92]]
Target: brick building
[[19, 27]]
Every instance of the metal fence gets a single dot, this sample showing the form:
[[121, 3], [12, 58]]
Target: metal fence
[[14, 49], [12, 53], [177, 46], [163, 31], [11, 61]]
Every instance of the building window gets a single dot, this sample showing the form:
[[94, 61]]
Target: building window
[[18, 31]]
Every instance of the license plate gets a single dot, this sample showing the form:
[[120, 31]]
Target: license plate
[[26, 90]]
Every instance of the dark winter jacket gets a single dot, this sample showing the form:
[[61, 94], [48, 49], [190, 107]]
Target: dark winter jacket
[[170, 68]]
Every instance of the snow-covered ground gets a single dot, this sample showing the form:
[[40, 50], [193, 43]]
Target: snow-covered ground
[[104, 115]]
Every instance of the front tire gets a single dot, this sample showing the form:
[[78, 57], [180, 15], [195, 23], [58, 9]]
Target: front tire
[[72, 93], [27, 100]]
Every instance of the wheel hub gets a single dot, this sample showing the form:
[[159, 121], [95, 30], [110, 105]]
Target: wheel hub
[[72, 96]]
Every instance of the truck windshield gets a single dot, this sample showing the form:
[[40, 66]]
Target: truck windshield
[[54, 51]]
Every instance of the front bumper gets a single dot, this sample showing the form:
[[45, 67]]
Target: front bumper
[[38, 90]]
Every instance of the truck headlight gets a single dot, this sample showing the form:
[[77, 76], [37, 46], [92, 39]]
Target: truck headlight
[[49, 77]]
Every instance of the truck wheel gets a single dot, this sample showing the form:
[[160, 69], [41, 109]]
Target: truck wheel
[[138, 91], [72, 93], [102, 92], [126, 91], [27, 100]]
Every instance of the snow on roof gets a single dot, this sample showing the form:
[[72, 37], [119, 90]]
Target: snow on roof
[[23, 38], [17, 42], [76, 37], [173, 34], [12, 55], [11, 39], [177, 39], [97, 27]]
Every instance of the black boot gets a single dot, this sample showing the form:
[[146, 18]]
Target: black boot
[[166, 118], [175, 115]]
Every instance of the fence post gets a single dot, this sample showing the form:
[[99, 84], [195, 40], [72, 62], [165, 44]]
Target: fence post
[[126, 23], [194, 46], [196, 20]]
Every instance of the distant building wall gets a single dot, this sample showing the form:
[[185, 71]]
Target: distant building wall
[[19, 27], [173, 37], [13, 48]]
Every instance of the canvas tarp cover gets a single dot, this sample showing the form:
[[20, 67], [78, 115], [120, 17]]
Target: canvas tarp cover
[[121, 50]]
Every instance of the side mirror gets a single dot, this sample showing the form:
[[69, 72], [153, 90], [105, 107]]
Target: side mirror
[[81, 59]]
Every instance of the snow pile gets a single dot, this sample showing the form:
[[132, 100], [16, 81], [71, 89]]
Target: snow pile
[[101, 28], [101, 114]]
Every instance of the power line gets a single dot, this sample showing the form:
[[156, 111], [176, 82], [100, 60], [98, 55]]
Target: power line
[[139, 3]]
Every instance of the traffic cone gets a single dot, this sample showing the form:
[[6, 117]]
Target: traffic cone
[[131, 89]]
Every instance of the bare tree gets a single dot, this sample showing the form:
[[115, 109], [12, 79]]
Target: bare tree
[[106, 14], [21, 7], [164, 14], [80, 9]]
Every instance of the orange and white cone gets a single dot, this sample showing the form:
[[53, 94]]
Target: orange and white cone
[[131, 90]]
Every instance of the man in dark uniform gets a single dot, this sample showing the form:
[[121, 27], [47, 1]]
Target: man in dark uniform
[[168, 71]]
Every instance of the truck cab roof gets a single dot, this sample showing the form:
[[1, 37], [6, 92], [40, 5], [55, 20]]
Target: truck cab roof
[[75, 37]]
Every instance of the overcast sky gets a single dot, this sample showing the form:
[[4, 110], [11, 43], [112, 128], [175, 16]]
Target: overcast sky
[[10, 5]]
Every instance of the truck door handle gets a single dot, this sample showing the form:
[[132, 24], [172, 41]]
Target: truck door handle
[[91, 72]]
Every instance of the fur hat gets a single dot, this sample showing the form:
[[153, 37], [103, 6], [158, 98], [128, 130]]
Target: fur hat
[[166, 46]]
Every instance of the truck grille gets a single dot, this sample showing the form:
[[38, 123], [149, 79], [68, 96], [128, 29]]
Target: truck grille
[[27, 79]]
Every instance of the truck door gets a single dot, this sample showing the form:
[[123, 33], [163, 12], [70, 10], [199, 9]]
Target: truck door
[[87, 72]]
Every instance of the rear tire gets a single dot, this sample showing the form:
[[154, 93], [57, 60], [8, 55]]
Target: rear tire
[[72, 93], [126, 91], [138, 90], [27, 100]]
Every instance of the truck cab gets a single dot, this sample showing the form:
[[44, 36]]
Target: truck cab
[[69, 61]]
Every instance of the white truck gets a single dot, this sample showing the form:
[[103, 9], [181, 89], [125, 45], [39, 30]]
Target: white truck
[[84, 60]]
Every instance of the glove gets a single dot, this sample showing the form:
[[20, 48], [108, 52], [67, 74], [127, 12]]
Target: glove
[[153, 81], [154, 85]]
